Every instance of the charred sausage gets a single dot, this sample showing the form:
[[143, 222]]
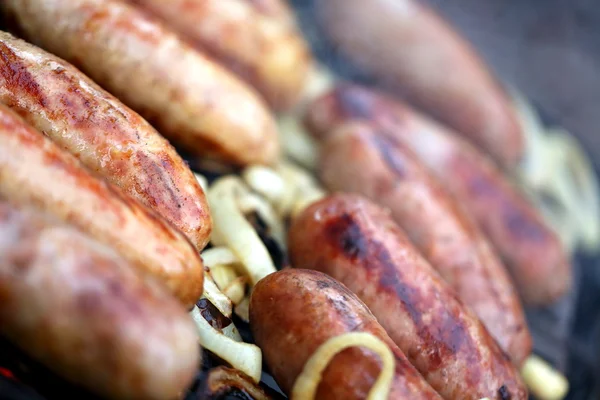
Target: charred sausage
[[292, 312], [35, 171], [267, 52], [530, 249], [87, 314], [361, 158], [413, 50], [108, 138], [195, 103], [356, 242]]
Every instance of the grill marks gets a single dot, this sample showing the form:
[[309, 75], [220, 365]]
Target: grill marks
[[108, 138], [446, 334], [16, 76]]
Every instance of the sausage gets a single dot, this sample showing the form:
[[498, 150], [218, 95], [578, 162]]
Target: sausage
[[530, 249], [83, 311], [293, 312], [413, 51], [35, 171], [110, 139], [356, 242], [361, 158], [196, 104], [268, 53]]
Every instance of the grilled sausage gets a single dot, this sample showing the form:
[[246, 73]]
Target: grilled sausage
[[82, 310], [108, 138], [413, 50], [356, 242], [530, 249], [199, 106], [361, 158], [293, 312], [268, 53], [34, 170]]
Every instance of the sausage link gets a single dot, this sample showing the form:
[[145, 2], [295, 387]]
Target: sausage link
[[530, 249], [411, 49], [35, 171], [199, 106], [361, 158], [83, 311], [356, 242], [268, 53], [293, 312], [108, 138]]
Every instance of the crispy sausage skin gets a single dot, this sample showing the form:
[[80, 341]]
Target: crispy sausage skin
[[108, 138], [361, 158], [530, 249], [413, 50], [198, 105], [34, 170], [293, 312], [356, 242], [82, 310], [268, 53]]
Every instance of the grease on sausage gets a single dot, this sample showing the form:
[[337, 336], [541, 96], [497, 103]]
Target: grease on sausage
[[361, 158], [293, 312], [355, 241], [110, 139], [35, 171]]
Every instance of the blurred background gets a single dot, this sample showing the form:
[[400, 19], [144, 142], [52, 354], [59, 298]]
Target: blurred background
[[550, 51]]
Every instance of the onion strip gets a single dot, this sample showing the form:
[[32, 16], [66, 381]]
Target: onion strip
[[264, 181], [219, 256], [544, 382], [245, 357], [231, 227], [305, 387], [216, 297]]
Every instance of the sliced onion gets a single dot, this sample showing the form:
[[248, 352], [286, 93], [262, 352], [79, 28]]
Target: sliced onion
[[242, 310], [320, 80], [232, 228], [556, 169], [305, 387], [245, 357], [579, 188], [264, 181], [219, 255], [216, 297], [232, 332], [250, 202], [223, 275], [544, 382], [297, 143], [236, 290]]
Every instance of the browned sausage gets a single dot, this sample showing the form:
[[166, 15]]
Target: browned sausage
[[356, 242], [108, 138], [531, 250], [198, 105], [33, 170], [361, 158], [293, 312], [266, 51], [87, 314], [413, 50]]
